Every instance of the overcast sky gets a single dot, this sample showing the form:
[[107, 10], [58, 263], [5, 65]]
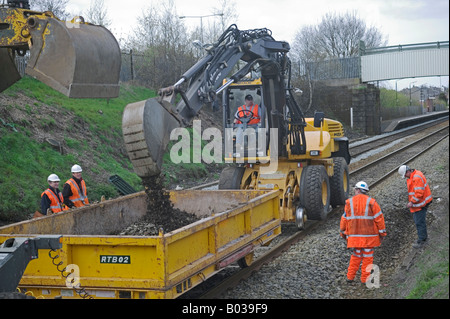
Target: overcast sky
[[402, 21]]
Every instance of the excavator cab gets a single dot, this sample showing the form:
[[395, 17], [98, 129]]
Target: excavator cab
[[245, 129], [76, 58]]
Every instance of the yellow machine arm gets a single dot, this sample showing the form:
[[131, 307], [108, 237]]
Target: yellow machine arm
[[78, 59]]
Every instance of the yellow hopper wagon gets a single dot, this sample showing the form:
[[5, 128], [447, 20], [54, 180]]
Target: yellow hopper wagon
[[100, 265]]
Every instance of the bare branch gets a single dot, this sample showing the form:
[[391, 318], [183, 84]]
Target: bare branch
[[58, 7], [98, 13]]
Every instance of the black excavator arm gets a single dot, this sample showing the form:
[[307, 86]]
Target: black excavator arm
[[147, 124], [255, 47], [16, 253]]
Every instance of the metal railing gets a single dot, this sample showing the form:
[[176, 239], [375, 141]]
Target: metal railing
[[344, 68], [403, 47]]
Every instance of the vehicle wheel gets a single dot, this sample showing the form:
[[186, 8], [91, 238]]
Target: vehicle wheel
[[339, 182], [231, 177], [246, 261], [315, 192], [300, 218]]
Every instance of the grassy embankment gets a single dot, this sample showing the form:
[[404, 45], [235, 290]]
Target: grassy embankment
[[25, 162]]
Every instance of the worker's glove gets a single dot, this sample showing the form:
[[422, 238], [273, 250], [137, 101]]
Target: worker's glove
[[37, 214]]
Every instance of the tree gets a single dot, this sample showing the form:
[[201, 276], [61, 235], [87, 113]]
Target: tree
[[336, 36], [58, 7], [305, 50], [226, 11], [98, 14], [443, 97], [161, 41]]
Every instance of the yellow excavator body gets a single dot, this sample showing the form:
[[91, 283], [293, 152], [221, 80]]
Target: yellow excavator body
[[274, 148], [309, 182]]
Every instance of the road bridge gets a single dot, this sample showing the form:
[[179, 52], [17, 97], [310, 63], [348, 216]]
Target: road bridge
[[349, 81], [384, 63], [404, 61]]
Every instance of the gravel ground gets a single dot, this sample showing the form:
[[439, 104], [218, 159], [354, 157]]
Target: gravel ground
[[316, 267]]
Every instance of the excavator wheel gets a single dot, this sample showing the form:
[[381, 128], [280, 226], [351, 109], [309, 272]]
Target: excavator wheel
[[231, 177], [246, 261], [315, 192], [339, 182]]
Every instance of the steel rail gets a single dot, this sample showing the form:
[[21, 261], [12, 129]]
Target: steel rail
[[406, 162], [413, 130], [397, 151], [276, 251], [385, 139]]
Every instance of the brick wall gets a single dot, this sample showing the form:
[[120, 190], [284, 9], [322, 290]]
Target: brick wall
[[366, 109]]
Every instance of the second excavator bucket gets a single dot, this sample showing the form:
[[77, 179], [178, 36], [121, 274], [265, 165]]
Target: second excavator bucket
[[78, 59], [8, 71], [146, 128]]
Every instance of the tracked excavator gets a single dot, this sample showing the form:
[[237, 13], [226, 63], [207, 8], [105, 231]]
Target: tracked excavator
[[311, 154], [76, 58]]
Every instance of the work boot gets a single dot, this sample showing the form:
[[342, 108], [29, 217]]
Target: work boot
[[419, 243]]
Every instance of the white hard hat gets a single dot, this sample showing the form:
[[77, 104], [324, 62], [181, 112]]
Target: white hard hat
[[53, 178], [362, 185], [76, 169], [402, 170]]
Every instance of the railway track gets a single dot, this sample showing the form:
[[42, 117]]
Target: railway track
[[359, 148], [390, 160], [371, 171]]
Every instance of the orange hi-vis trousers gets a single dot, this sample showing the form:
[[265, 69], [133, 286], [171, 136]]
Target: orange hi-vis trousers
[[364, 255]]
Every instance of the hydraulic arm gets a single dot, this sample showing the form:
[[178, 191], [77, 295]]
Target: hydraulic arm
[[16, 253], [147, 124]]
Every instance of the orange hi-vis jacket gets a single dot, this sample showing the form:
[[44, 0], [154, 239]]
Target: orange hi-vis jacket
[[79, 197], [362, 222], [244, 110], [419, 192], [56, 201]]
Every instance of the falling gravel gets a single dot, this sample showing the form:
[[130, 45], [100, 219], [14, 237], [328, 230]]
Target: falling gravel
[[161, 215]]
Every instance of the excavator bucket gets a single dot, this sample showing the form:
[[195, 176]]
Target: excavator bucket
[[146, 128], [8, 71], [78, 59]]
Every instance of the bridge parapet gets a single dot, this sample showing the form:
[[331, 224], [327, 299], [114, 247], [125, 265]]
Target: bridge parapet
[[405, 61], [402, 47]]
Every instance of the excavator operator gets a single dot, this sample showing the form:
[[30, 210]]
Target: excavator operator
[[248, 111], [247, 114]]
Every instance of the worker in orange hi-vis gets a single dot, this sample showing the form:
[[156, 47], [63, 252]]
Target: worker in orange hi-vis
[[419, 198], [362, 225], [74, 191]]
